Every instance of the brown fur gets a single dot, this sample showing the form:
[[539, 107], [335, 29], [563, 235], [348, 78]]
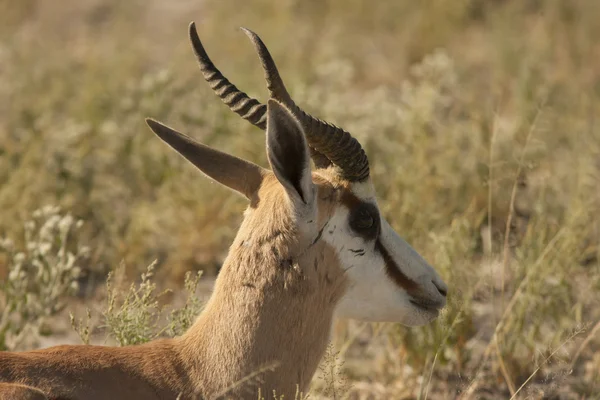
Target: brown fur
[[21, 392], [268, 319]]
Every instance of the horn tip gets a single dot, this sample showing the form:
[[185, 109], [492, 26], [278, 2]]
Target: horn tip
[[193, 33], [195, 40], [248, 32]]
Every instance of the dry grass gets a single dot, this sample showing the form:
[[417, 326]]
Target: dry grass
[[479, 118]]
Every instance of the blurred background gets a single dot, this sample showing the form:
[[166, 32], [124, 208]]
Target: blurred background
[[479, 118]]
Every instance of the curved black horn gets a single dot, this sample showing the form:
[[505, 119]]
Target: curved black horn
[[336, 144], [328, 143], [239, 102]]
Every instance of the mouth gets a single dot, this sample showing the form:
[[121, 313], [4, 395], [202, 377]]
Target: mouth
[[428, 306]]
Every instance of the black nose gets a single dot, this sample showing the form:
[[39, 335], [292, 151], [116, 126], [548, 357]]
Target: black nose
[[441, 288]]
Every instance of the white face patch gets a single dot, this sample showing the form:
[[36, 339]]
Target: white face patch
[[376, 291]]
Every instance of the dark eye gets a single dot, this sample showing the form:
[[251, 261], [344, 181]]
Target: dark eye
[[363, 220]]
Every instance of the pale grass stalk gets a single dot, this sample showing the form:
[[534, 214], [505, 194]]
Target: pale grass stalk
[[490, 182], [437, 352], [503, 369], [513, 195], [585, 342], [454, 323], [475, 382], [575, 333], [426, 388], [491, 244], [346, 345], [250, 378], [379, 328], [83, 329], [490, 197], [506, 247]]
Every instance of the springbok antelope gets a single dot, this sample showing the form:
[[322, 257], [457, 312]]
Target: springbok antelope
[[312, 245]]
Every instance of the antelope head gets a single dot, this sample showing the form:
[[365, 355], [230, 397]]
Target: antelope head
[[387, 280]]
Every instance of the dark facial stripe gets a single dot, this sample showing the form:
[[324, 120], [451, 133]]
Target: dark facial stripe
[[393, 270]]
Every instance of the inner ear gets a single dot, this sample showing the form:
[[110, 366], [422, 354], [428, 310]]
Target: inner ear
[[288, 152]]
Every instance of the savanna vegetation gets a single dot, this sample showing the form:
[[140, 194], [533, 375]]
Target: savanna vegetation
[[480, 119]]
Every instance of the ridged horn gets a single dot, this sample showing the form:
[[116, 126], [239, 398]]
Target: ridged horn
[[328, 143], [239, 102], [335, 143]]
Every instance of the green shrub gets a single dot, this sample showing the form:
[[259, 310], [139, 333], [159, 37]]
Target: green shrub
[[41, 274]]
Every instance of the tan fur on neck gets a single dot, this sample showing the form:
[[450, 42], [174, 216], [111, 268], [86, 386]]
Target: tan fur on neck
[[270, 315]]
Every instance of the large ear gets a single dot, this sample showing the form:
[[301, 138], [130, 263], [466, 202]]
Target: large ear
[[235, 173], [288, 152]]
